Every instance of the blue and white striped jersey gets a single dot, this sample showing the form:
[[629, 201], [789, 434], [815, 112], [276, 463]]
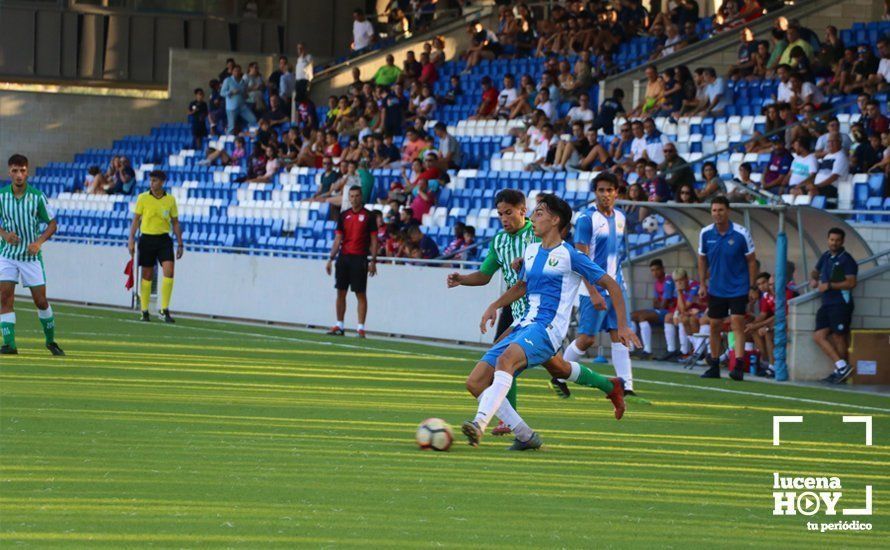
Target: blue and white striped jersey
[[604, 236], [552, 276]]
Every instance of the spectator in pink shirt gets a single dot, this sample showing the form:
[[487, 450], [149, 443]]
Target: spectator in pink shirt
[[412, 147]]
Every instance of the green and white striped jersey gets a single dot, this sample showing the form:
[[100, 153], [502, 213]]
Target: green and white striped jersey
[[505, 248], [23, 216]]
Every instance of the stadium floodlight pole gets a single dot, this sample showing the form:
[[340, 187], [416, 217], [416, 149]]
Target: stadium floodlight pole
[[780, 330]]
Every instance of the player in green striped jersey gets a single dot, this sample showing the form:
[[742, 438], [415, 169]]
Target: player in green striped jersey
[[507, 245], [23, 209]]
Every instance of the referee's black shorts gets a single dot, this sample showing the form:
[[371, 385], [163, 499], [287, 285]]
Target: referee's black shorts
[[154, 249], [351, 270]]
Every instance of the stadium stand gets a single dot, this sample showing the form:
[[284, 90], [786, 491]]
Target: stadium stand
[[278, 216]]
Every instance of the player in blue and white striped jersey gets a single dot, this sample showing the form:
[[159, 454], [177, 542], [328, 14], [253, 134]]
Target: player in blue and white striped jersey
[[599, 233], [551, 273]]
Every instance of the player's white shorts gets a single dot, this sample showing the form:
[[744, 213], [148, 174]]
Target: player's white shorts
[[29, 273]]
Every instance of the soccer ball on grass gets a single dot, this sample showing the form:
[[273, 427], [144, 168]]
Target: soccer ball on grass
[[435, 434]]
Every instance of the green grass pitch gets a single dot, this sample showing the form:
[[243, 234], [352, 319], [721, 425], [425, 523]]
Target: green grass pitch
[[216, 434]]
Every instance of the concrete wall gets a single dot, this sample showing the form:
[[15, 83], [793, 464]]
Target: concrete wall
[[403, 300], [877, 235], [47, 42], [55, 126], [872, 298]]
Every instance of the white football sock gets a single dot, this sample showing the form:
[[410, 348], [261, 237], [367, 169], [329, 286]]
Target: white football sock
[[492, 397], [646, 335], [840, 364], [573, 352], [511, 418], [621, 360], [576, 372], [45, 313], [361, 326], [684, 339], [670, 336], [340, 325]]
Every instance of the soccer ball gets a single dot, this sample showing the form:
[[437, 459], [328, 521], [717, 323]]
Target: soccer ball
[[435, 434], [650, 224]]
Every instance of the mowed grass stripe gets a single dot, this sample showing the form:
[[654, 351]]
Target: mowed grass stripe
[[331, 461]]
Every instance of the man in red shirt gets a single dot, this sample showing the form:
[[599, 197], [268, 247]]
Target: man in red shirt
[[355, 238], [428, 73], [488, 108]]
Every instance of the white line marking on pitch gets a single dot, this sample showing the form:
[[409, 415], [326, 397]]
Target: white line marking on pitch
[[755, 394]]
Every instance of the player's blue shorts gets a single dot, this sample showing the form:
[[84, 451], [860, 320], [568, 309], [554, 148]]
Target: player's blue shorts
[[534, 341], [591, 322]]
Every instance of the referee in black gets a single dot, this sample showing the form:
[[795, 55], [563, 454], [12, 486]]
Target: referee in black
[[355, 238]]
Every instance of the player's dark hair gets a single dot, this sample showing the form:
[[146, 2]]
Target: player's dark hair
[[618, 94], [763, 275], [18, 160], [199, 91], [557, 206], [838, 231], [720, 200], [158, 174], [513, 197], [355, 188], [656, 263], [470, 229], [607, 178]]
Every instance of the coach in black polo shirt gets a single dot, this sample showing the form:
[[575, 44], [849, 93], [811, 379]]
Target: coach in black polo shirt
[[356, 237], [835, 277]]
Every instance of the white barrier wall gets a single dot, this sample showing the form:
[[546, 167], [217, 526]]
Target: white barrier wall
[[404, 300]]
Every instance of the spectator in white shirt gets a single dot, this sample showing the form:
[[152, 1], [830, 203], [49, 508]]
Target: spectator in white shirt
[[507, 96], [834, 129], [303, 72], [883, 76], [542, 150], [717, 91], [580, 112], [363, 34], [803, 168], [803, 92], [655, 142], [783, 93], [543, 103], [638, 145], [833, 167]]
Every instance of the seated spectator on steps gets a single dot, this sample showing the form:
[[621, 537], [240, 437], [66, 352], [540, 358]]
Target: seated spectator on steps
[[457, 243], [326, 181], [423, 189], [426, 246], [238, 154], [760, 329], [833, 167], [664, 299], [94, 182], [676, 320], [124, 179], [272, 166], [488, 105], [276, 115]]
